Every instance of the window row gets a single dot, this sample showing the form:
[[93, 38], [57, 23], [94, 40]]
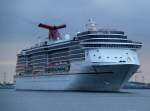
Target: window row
[[112, 45]]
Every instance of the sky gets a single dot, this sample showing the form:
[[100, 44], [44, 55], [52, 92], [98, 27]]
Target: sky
[[19, 20]]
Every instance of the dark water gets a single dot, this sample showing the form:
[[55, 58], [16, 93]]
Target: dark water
[[129, 100]]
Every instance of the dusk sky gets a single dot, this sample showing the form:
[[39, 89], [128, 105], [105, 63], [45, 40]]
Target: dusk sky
[[19, 20]]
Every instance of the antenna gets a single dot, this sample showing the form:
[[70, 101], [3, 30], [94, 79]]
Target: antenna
[[53, 30], [39, 40]]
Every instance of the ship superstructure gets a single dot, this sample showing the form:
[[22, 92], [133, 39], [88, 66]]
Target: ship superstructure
[[93, 60]]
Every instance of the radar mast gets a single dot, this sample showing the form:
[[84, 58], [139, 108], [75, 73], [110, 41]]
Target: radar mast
[[91, 25]]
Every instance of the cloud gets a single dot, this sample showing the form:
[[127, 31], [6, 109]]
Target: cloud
[[7, 62]]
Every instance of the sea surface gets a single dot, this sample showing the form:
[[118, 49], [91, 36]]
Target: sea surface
[[127, 100]]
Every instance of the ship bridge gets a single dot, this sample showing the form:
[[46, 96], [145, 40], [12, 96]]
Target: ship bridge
[[105, 38]]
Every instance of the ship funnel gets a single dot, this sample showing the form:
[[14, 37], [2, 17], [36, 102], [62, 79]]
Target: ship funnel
[[91, 25], [53, 31]]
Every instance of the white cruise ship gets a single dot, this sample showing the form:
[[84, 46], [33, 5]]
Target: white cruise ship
[[93, 60]]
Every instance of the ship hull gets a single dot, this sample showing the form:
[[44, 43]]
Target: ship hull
[[105, 78]]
